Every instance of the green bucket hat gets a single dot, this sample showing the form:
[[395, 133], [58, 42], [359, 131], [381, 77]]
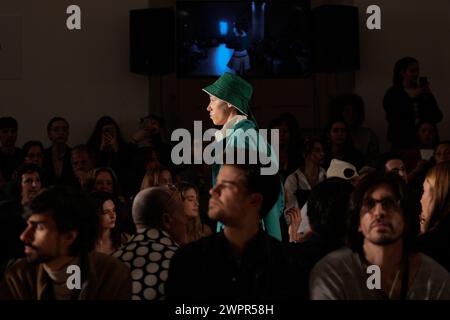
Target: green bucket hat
[[234, 90]]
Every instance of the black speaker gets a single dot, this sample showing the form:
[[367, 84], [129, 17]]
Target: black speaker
[[335, 38], [152, 41]]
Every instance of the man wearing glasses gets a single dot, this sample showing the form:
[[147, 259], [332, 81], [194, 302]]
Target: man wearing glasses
[[382, 262]]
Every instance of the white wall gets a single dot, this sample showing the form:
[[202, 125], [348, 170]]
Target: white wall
[[416, 28], [80, 75]]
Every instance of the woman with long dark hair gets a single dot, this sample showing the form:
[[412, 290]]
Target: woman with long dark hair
[[110, 236]]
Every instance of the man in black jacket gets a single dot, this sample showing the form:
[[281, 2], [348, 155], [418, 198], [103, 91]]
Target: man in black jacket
[[242, 262]]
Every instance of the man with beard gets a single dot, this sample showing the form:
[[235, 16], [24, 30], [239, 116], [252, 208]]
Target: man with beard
[[59, 239], [382, 263]]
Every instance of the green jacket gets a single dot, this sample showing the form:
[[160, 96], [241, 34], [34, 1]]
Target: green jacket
[[271, 221]]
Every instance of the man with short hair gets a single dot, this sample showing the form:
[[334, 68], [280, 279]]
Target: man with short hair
[[57, 156], [242, 262], [229, 107], [82, 163], [383, 227], [10, 156], [60, 233], [161, 227]]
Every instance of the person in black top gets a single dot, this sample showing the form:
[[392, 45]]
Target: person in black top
[[242, 262], [408, 102]]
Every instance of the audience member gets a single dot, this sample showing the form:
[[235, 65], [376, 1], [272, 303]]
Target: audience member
[[229, 107], [57, 157], [110, 149], [340, 145], [290, 143], [435, 216], [350, 108], [33, 152], [242, 262], [161, 227], [383, 227], [442, 152], [196, 229], [61, 232], [82, 163], [327, 213], [408, 102]]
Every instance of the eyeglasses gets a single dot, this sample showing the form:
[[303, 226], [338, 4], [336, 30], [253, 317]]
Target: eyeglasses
[[387, 203]]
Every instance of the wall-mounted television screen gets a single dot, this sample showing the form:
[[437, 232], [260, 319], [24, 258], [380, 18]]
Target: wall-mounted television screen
[[264, 39]]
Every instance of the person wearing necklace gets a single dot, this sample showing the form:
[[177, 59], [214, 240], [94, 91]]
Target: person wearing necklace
[[382, 262]]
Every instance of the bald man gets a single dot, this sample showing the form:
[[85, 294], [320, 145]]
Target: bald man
[[161, 227]]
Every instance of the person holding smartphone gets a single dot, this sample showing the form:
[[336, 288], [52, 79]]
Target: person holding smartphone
[[408, 102]]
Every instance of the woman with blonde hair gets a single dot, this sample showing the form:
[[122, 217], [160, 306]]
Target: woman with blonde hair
[[435, 217], [195, 228]]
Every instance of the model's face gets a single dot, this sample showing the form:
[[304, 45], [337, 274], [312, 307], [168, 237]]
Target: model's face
[[81, 162], [442, 153], [316, 155], [229, 199], [190, 203], [108, 215], [381, 218], [398, 167], [35, 155], [427, 203], [59, 132], [219, 110], [426, 134], [104, 182], [43, 242], [338, 133], [8, 137], [31, 185]]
